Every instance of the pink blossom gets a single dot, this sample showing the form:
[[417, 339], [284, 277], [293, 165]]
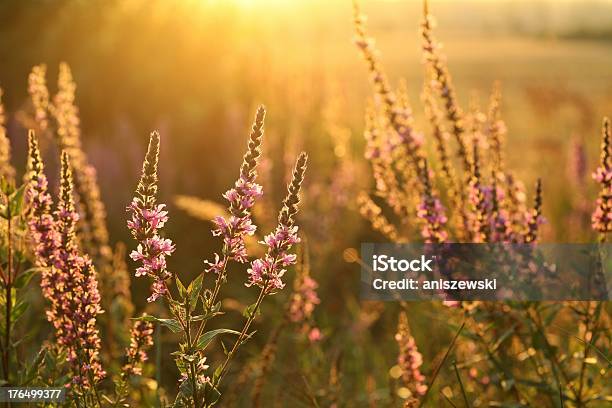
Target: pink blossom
[[409, 359], [241, 200], [268, 271], [304, 299], [140, 340], [314, 335], [148, 218], [69, 281]]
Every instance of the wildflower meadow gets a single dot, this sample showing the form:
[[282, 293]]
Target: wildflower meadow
[[185, 187]]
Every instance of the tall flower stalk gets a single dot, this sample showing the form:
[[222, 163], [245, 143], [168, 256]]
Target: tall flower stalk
[[409, 359], [69, 282], [147, 218], [141, 339], [431, 211], [442, 83], [239, 225], [602, 216], [534, 216], [6, 169]]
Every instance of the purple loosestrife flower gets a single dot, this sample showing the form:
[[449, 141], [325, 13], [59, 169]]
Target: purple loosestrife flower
[[499, 219], [79, 305], [373, 213], [45, 239], [302, 303], [399, 115], [409, 359], [148, 218], [577, 168], [37, 88], [267, 272], [480, 200], [241, 199], [602, 216], [304, 299], [69, 281], [431, 211], [442, 83], [534, 216], [496, 128], [140, 340]]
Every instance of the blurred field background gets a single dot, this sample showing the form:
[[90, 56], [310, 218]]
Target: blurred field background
[[197, 69]]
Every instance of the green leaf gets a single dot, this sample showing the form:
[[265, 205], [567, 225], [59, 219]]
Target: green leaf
[[248, 337], [217, 373], [194, 289], [186, 390], [205, 316], [211, 394], [18, 311], [503, 337], [24, 277], [181, 287], [172, 324], [208, 337], [214, 311], [16, 201], [22, 339], [250, 311], [32, 368]]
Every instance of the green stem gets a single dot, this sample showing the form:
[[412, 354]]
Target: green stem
[[186, 326], [158, 362], [241, 337], [192, 368], [95, 389], [9, 301], [549, 350], [465, 397], [588, 327], [213, 298]]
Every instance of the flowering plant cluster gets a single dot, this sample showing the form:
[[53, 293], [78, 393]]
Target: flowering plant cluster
[[467, 195], [193, 306], [69, 280], [449, 182], [68, 242]]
